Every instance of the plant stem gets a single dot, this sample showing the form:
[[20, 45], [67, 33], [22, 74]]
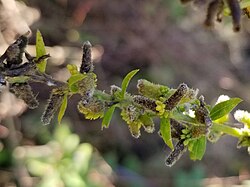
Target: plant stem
[[232, 131], [102, 95]]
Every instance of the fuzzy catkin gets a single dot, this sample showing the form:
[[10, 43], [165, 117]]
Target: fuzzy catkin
[[202, 114], [176, 128], [92, 108], [54, 102], [87, 65], [23, 91], [175, 98], [145, 102], [175, 155]]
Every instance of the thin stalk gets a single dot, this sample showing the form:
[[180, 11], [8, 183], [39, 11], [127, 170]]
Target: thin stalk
[[232, 131]]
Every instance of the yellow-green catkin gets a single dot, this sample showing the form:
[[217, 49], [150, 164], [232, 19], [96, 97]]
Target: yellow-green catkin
[[134, 129], [23, 91], [92, 108], [151, 90], [147, 123], [130, 115], [115, 92], [189, 96], [87, 85]]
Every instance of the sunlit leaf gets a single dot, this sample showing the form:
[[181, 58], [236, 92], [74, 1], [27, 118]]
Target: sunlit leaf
[[73, 80], [165, 129], [62, 108], [198, 148], [126, 81], [40, 51], [108, 116], [223, 108]]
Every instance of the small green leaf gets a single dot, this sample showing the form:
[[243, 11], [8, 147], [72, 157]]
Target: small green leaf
[[198, 148], [108, 116], [63, 108], [223, 108], [165, 129], [20, 79], [73, 80], [126, 81], [40, 51]]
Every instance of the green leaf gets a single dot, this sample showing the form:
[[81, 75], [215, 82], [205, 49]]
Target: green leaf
[[126, 81], [108, 116], [40, 51], [223, 108], [73, 80], [20, 79], [198, 148], [63, 108], [165, 129]]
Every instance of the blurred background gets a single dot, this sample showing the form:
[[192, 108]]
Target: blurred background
[[169, 44]]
